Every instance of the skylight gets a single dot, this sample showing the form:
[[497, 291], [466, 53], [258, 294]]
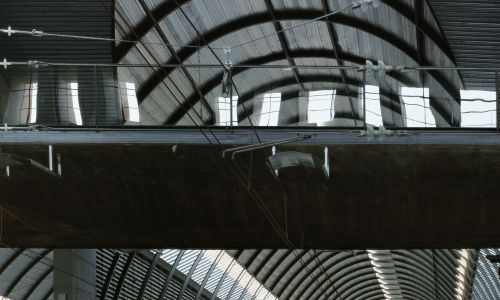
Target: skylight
[[464, 268], [417, 107], [235, 279], [225, 111], [321, 106], [478, 108], [29, 103], [129, 102], [74, 104], [270, 109], [373, 110]]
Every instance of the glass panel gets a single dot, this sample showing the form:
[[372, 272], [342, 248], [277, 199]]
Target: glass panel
[[308, 96]]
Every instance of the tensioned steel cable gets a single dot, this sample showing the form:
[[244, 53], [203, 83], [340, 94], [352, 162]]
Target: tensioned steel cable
[[38, 33]]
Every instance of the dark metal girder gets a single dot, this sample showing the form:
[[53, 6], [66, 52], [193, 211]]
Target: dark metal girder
[[264, 262], [48, 294], [175, 56], [337, 50], [282, 38], [190, 273], [207, 276], [151, 268], [234, 285], [146, 25], [11, 259], [262, 60], [278, 263], [171, 273], [419, 19], [123, 275], [109, 275]]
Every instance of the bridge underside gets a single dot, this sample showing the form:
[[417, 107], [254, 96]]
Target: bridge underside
[[148, 196]]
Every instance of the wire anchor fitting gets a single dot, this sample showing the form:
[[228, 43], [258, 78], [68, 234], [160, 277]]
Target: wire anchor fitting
[[365, 4], [226, 77], [9, 31], [5, 63]]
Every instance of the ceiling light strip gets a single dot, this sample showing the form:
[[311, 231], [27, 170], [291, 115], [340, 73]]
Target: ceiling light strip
[[383, 265], [463, 275]]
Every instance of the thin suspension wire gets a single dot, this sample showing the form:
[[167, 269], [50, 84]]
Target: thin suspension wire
[[402, 69], [350, 6], [254, 195], [37, 33]]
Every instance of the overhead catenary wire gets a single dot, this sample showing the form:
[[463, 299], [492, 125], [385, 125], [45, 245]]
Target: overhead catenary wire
[[9, 31], [39, 64]]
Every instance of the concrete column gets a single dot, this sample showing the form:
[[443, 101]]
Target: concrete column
[[74, 274]]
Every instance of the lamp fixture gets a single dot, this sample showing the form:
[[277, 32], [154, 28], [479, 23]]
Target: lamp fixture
[[288, 159]]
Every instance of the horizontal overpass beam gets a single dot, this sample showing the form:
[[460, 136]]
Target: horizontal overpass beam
[[245, 135]]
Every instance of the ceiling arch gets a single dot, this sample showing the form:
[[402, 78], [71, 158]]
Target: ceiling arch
[[167, 7], [282, 15]]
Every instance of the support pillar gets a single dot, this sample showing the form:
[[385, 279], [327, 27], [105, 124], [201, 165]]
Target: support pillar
[[74, 274]]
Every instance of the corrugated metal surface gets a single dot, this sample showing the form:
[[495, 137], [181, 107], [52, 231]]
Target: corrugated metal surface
[[387, 33], [90, 17], [473, 32], [316, 274]]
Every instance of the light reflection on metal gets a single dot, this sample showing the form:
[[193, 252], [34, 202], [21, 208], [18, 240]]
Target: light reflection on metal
[[8, 160], [289, 159], [248, 148], [385, 270]]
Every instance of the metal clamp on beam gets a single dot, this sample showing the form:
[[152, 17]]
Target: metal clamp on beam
[[289, 159], [5, 63], [381, 133], [365, 4], [248, 148], [8, 160]]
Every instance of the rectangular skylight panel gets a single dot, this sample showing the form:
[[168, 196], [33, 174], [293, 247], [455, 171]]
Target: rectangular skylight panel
[[417, 107], [270, 109], [478, 108], [373, 110], [321, 106], [75, 103], [225, 111], [33, 102], [132, 103]]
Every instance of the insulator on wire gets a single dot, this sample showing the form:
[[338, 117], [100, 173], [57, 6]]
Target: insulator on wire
[[38, 33], [365, 4], [5, 63], [9, 31], [226, 84]]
